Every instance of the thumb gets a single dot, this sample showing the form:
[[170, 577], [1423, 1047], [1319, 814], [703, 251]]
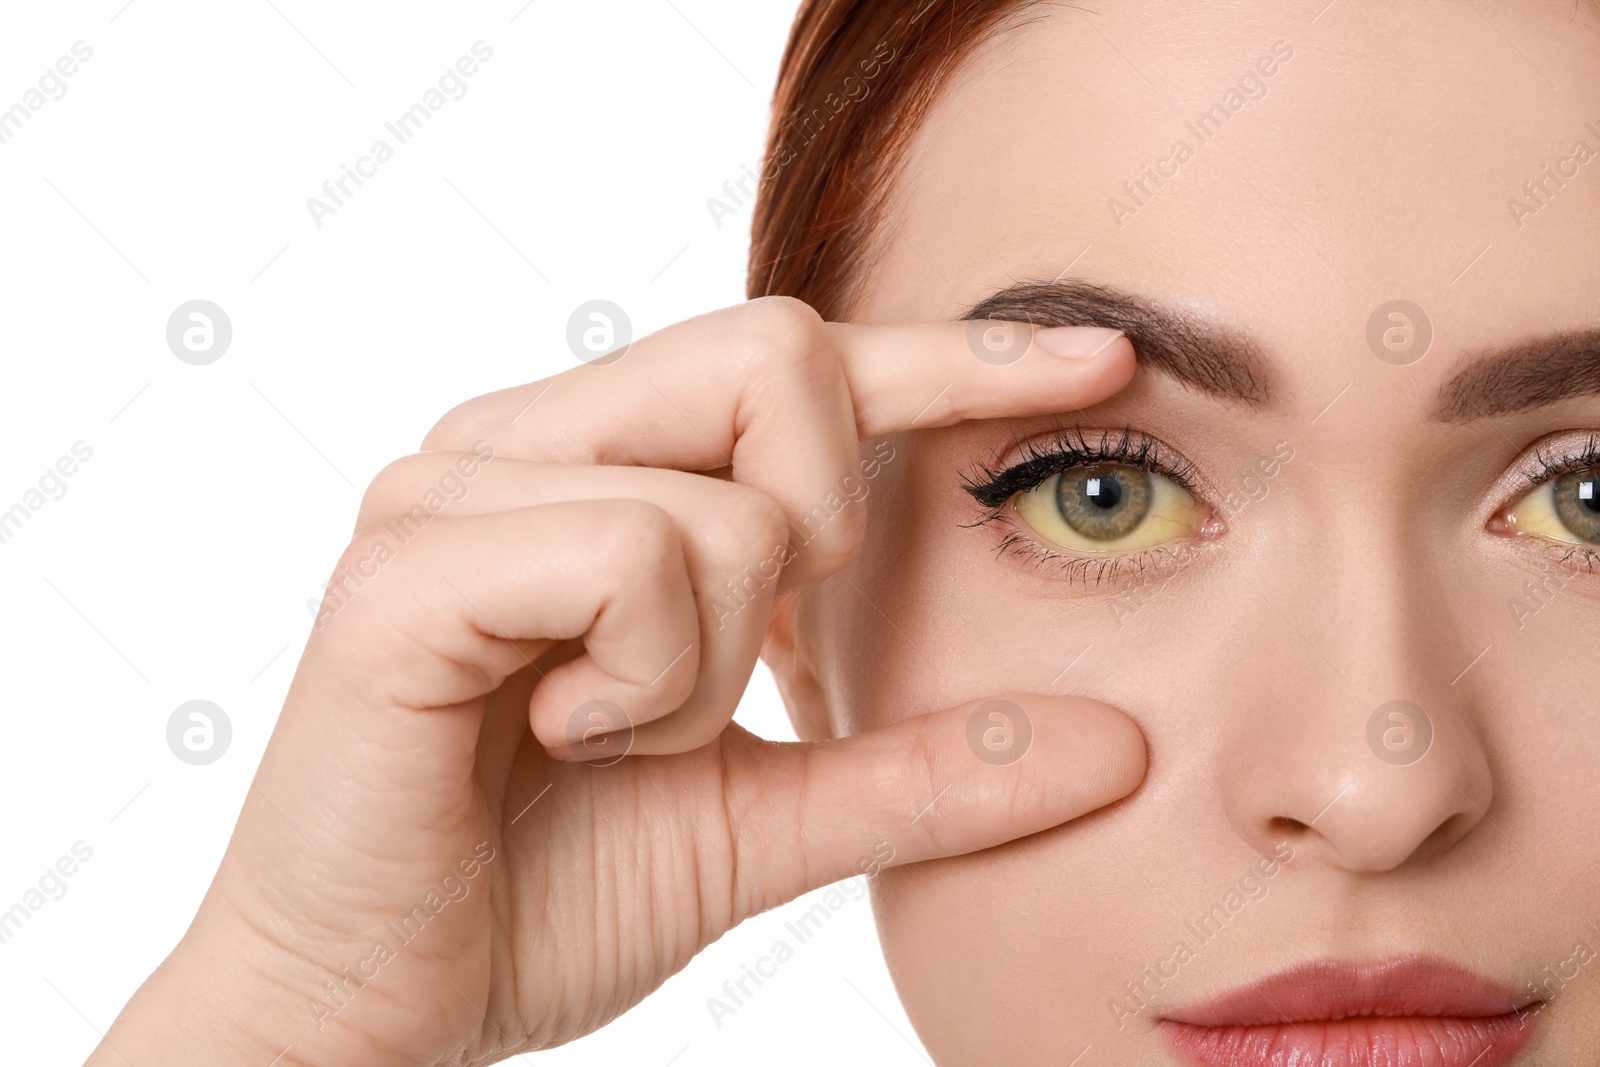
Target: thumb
[[942, 784]]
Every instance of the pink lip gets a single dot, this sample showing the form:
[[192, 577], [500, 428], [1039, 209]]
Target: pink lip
[[1412, 1011]]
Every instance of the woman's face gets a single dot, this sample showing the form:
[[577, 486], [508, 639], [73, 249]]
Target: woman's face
[[1283, 183]]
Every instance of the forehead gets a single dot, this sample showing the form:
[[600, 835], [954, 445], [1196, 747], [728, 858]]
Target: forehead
[[1283, 175]]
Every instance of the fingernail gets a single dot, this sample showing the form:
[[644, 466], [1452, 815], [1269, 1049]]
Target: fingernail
[[1076, 342], [603, 748]]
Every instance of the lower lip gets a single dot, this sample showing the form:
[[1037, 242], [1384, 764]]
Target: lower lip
[[1367, 1041], [1407, 1011]]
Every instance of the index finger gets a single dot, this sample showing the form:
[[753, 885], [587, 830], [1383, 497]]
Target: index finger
[[782, 400], [683, 397], [937, 374]]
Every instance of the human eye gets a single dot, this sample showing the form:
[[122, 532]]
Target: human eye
[[1562, 507], [1095, 502]]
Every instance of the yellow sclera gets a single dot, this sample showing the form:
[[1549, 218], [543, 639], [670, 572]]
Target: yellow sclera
[[1553, 510], [1109, 508]]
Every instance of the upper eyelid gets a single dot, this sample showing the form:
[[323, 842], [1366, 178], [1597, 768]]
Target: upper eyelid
[[1542, 462], [1536, 465], [1126, 446], [1545, 459], [1549, 470]]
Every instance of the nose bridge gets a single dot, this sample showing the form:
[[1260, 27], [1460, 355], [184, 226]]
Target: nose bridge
[[1364, 750]]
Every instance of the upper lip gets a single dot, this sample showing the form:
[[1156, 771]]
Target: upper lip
[[1329, 990]]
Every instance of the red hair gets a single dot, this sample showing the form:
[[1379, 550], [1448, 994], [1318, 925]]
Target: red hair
[[856, 81]]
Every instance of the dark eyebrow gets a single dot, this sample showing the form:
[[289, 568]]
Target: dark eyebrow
[[1527, 375], [1199, 354]]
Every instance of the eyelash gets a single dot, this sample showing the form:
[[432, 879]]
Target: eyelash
[[994, 487], [1543, 468], [1546, 466]]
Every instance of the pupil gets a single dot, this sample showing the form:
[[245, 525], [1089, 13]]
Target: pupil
[[1106, 493], [1589, 494], [1103, 503]]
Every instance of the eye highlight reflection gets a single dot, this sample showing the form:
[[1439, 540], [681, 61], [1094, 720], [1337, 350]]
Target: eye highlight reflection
[[1093, 502], [1564, 509], [1108, 508]]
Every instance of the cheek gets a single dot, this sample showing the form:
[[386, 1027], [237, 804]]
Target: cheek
[[1030, 951], [886, 646], [1030, 929], [927, 616]]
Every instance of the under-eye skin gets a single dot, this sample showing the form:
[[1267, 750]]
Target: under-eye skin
[[1094, 502], [1563, 508]]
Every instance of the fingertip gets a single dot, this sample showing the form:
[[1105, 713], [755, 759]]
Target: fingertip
[[1115, 744], [582, 731], [601, 750], [1089, 364], [944, 783], [1091, 752], [1083, 343]]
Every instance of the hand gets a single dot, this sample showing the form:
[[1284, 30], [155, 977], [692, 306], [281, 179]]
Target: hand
[[425, 871]]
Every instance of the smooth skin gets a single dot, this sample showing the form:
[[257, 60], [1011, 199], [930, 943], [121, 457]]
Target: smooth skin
[[429, 730], [1377, 166]]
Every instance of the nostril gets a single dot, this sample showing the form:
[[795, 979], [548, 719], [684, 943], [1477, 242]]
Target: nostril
[[1289, 828], [1447, 833]]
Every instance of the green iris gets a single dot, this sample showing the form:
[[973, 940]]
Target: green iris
[[1577, 503]]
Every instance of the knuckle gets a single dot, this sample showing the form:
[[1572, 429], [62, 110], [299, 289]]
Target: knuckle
[[752, 523], [781, 328], [637, 534], [827, 556], [388, 488], [830, 533], [924, 763], [353, 579], [413, 489], [927, 775], [454, 426]]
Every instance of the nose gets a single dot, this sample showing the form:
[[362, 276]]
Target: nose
[[1364, 750]]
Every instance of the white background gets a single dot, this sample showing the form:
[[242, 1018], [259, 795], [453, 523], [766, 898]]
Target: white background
[[179, 561]]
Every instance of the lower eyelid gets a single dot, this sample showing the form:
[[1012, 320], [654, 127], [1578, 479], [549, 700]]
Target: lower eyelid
[[1151, 564], [1546, 526], [1157, 562], [1075, 448], [1537, 477]]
